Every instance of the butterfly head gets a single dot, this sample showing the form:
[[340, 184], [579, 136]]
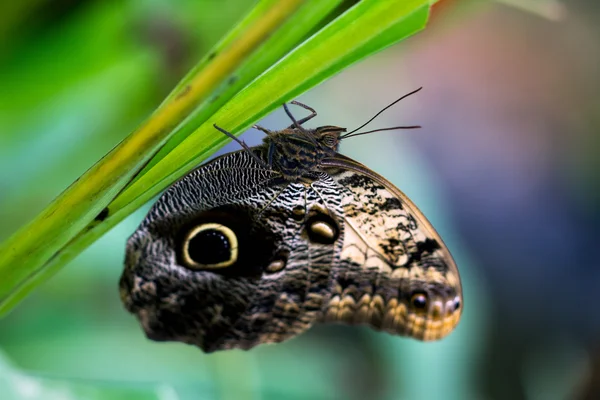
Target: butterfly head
[[328, 137]]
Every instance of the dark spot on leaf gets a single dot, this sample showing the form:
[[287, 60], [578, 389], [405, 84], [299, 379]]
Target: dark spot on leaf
[[184, 92], [102, 216]]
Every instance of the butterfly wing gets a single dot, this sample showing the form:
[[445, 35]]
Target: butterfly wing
[[224, 258], [394, 272], [345, 247]]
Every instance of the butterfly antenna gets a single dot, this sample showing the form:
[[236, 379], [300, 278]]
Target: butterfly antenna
[[381, 129], [379, 113]]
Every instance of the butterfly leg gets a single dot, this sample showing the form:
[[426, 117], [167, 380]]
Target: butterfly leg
[[260, 128], [271, 146], [271, 153], [312, 111], [297, 124], [244, 146]]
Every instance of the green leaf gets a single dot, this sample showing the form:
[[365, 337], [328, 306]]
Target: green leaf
[[185, 132]]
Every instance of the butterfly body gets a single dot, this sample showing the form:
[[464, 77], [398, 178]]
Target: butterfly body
[[258, 245], [298, 154]]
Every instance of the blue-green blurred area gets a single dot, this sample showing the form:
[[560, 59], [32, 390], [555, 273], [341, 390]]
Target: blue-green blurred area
[[506, 167]]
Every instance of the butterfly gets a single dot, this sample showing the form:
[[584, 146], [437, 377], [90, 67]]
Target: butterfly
[[260, 244]]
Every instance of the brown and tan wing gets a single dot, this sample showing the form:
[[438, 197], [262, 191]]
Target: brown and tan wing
[[394, 273]]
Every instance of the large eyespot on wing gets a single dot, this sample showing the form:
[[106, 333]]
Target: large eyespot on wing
[[209, 245], [396, 274], [194, 281], [225, 240]]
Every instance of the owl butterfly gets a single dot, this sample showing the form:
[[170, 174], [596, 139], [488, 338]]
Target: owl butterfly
[[260, 244]]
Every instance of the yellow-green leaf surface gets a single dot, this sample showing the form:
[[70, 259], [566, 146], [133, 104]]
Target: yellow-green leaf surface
[[235, 104]]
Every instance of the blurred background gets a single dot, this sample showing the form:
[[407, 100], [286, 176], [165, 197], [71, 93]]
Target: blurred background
[[506, 167]]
